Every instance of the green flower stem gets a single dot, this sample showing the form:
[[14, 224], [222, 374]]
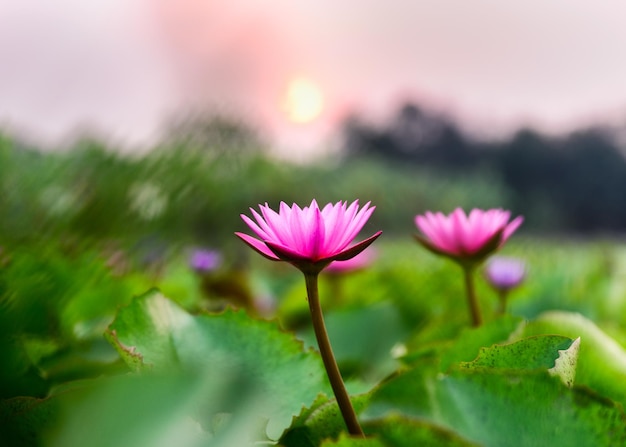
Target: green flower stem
[[472, 301], [336, 382], [502, 296]]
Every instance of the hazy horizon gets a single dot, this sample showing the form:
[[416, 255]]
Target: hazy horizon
[[124, 68]]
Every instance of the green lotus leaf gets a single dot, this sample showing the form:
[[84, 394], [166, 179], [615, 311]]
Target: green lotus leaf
[[153, 333]]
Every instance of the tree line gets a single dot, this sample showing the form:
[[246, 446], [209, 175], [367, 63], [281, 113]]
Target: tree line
[[574, 182]]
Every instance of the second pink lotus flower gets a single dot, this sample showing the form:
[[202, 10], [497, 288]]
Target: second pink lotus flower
[[466, 238]]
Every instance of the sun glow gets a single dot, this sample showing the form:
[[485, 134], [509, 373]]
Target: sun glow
[[303, 101]]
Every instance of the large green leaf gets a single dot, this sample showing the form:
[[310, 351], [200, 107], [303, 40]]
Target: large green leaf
[[154, 333], [322, 421], [149, 409], [322, 425], [506, 397], [400, 431], [602, 361], [538, 352], [411, 392], [469, 342], [527, 409], [348, 441]]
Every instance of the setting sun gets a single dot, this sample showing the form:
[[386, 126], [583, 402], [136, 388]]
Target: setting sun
[[303, 101]]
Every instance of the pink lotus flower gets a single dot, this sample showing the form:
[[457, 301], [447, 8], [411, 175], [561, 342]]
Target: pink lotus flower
[[466, 238], [309, 238]]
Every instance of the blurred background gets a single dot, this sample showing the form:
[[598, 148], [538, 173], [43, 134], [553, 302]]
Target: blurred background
[[169, 118]]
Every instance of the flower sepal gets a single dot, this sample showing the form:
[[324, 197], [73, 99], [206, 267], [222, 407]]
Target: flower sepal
[[306, 265], [466, 260]]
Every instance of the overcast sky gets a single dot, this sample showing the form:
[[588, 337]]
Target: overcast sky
[[124, 67]]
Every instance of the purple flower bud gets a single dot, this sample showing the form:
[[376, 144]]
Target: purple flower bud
[[505, 273], [203, 261]]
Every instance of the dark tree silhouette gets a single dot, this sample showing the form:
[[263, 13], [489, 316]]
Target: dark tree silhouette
[[413, 136], [576, 182]]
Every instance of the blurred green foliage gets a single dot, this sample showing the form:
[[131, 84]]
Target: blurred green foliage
[[183, 194], [84, 231]]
